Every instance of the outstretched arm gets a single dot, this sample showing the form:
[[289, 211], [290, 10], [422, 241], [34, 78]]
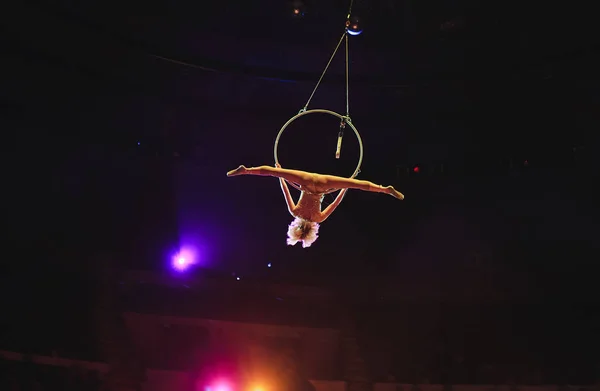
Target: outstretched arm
[[286, 194], [329, 210]]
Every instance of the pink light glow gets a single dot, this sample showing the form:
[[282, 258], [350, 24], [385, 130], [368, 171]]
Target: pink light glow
[[220, 385]]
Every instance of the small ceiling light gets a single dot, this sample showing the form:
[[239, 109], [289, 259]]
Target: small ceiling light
[[298, 9], [354, 26]]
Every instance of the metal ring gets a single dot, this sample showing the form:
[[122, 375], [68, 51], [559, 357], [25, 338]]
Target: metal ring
[[342, 117]]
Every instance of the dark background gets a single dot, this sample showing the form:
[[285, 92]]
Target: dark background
[[121, 120]]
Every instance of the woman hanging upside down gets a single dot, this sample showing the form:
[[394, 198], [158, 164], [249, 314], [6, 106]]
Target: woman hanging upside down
[[307, 213]]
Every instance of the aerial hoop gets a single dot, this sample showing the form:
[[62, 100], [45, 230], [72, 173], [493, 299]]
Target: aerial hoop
[[345, 119]]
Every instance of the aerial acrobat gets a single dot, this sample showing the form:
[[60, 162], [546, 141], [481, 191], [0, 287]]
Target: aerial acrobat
[[307, 212]]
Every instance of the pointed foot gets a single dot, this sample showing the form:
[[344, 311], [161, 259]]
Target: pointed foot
[[394, 193], [238, 171]]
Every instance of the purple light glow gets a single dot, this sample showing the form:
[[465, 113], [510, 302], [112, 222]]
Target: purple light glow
[[185, 258]]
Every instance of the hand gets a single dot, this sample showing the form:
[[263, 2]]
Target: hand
[[277, 165]]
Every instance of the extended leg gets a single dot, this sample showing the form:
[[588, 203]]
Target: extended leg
[[299, 177], [335, 182]]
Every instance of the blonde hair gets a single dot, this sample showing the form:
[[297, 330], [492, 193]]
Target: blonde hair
[[304, 231]]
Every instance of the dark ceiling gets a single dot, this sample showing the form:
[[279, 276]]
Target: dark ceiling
[[430, 60], [407, 47]]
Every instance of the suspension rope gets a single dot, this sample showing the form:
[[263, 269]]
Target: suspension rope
[[350, 9], [345, 120], [324, 72], [343, 37], [348, 16], [347, 82]]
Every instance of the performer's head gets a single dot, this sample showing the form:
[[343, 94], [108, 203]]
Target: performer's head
[[304, 231]]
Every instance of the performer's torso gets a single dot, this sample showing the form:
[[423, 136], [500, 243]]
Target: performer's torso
[[309, 207]]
